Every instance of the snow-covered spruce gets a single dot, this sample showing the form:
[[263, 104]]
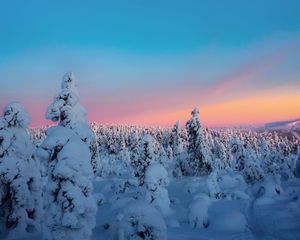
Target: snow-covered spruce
[[133, 147], [178, 148], [67, 109], [124, 158], [221, 160], [238, 153], [156, 182], [252, 171], [199, 160], [228, 149], [139, 221], [213, 186], [20, 180], [70, 208], [264, 156], [149, 151]]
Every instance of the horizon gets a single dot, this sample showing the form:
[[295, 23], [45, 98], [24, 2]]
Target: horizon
[[151, 63], [49, 123]]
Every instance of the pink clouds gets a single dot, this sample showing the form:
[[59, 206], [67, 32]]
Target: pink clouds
[[131, 103], [162, 103], [250, 71]]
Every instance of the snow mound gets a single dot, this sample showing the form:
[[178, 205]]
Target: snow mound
[[213, 186], [138, 221], [270, 187], [198, 211], [156, 175], [230, 222], [156, 181]]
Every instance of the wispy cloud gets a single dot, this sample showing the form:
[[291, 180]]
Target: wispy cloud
[[115, 90], [143, 103], [252, 70]]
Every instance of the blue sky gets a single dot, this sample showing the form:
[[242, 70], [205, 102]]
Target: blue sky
[[117, 48], [143, 26]]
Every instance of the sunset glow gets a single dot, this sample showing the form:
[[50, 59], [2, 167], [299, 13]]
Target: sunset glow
[[152, 63], [245, 111]]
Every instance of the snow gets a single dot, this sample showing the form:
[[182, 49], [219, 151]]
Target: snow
[[20, 189], [213, 186], [66, 109], [98, 182], [291, 124], [139, 221], [156, 181], [199, 161], [198, 211], [70, 207], [156, 176], [230, 222], [69, 157], [228, 218], [16, 115]]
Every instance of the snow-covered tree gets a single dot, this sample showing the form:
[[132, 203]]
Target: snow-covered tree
[[111, 143], [169, 153], [20, 179], [294, 155], [286, 158], [134, 151], [70, 208], [199, 157], [252, 171], [177, 140], [156, 182], [124, 160], [213, 186], [71, 153], [67, 109], [138, 221], [238, 154], [265, 157], [198, 211], [149, 152], [220, 157], [177, 144], [225, 149]]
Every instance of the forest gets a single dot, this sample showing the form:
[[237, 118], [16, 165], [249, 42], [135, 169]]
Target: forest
[[81, 180]]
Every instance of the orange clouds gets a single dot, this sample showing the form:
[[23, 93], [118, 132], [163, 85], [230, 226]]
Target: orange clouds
[[257, 109], [272, 105]]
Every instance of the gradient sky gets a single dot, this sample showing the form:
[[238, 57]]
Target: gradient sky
[[151, 62]]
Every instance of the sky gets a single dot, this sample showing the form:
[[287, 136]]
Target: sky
[[151, 62]]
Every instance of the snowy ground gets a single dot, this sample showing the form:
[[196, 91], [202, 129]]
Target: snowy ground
[[46, 185], [263, 211]]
